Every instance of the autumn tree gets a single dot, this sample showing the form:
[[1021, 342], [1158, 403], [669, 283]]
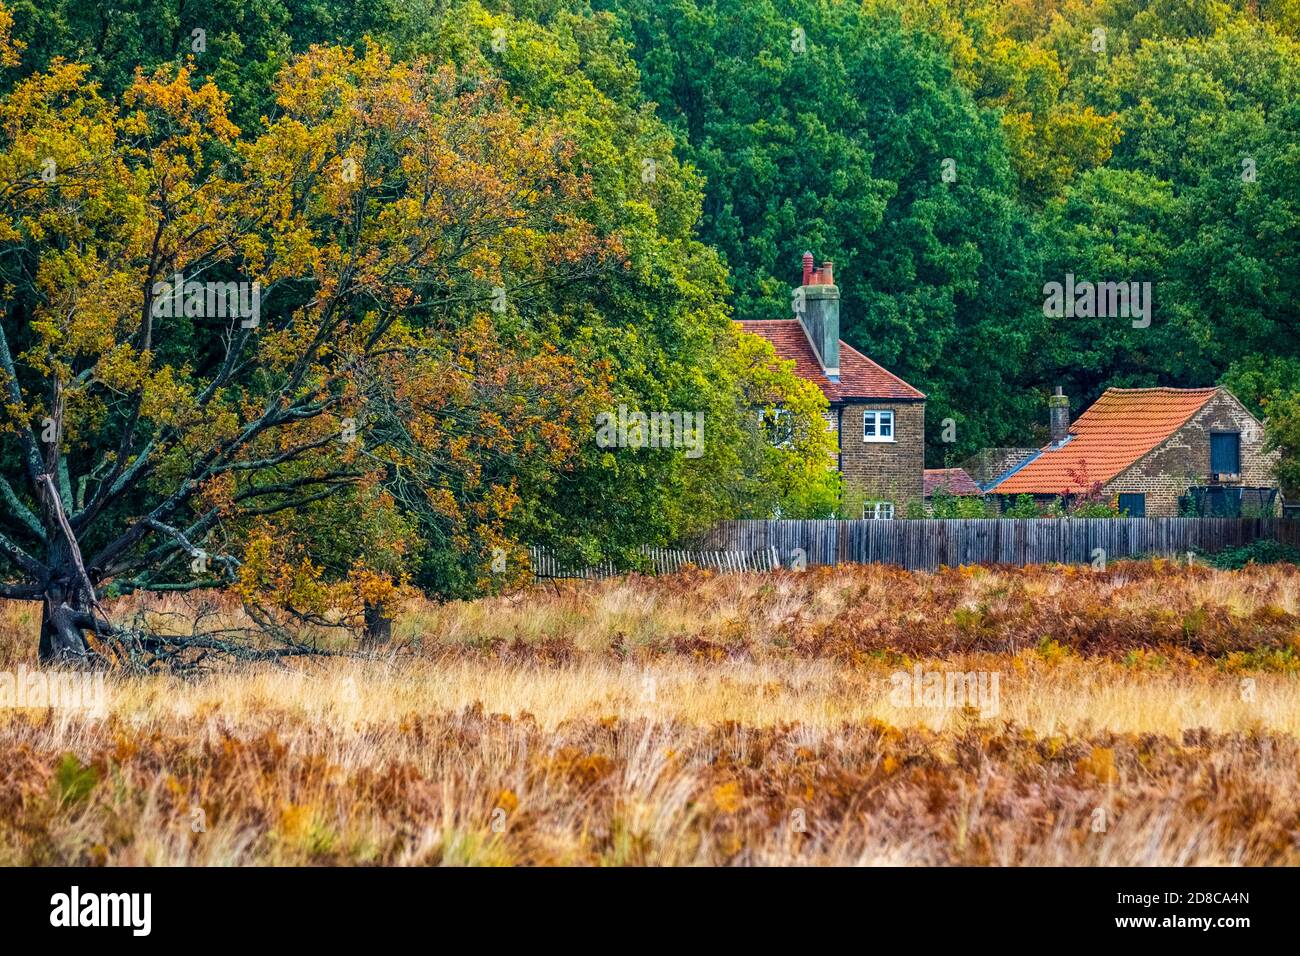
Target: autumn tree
[[212, 343], [658, 327], [238, 44]]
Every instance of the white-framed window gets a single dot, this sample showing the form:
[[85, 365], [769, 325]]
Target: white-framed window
[[881, 510], [778, 425], [877, 425]]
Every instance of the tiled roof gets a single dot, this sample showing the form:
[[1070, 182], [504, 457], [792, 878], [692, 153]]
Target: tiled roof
[[955, 481], [1121, 426], [859, 376]]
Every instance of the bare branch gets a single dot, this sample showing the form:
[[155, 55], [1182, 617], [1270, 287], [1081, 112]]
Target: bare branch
[[20, 510], [18, 556], [56, 503], [20, 592]]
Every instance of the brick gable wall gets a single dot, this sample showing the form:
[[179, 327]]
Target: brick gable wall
[[1183, 459]]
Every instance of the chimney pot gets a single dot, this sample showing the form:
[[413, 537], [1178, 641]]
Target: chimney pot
[[820, 315]]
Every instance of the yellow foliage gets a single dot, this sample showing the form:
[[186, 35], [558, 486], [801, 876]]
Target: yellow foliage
[[1101, 764], [727, 797]]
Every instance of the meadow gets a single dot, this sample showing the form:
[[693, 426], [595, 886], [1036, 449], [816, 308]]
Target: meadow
[[1145, 714]]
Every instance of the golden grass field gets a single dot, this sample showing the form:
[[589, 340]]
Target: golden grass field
[[1147, 714]]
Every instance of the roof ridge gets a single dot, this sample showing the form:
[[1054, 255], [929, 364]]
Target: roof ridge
[[1207, 392], [1159, 388]]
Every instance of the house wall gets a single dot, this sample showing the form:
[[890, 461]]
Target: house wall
[[886, 470], [1183, 459], [833, 425]]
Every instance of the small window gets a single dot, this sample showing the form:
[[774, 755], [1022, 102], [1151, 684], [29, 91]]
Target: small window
[[877, 425], [778, 426], [880, 510], [1133, 505], [1225, 453]]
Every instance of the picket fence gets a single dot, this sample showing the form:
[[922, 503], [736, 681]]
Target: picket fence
[[660, 561]]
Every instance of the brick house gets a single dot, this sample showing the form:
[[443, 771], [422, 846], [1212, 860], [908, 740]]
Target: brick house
[[877, 418], [1159, 451]]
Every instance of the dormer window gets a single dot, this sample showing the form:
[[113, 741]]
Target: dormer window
[[877, 425]]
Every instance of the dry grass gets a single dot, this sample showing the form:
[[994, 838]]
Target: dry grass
[[742, 719]]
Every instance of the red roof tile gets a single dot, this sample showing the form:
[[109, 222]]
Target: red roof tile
[[859, 376], [1121, 426], [955, 481]]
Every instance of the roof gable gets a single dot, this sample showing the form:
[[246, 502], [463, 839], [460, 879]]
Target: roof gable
[[860, 377], [1122, 426]]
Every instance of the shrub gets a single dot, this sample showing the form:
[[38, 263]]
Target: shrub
[[944, 504], [1264, 551], [1023, 507]]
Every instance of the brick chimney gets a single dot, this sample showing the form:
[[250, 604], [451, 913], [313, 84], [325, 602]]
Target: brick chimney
[[1058, 414], [817, 307]]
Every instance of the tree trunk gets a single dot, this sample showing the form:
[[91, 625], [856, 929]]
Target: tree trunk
[[379, 627], [64, 619]]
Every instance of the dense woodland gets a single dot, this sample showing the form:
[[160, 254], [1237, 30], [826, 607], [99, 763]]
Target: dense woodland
[[476, 224]]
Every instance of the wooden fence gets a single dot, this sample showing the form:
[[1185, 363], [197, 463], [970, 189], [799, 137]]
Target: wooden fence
[[928, 544], [931, 543], [660, 561]]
